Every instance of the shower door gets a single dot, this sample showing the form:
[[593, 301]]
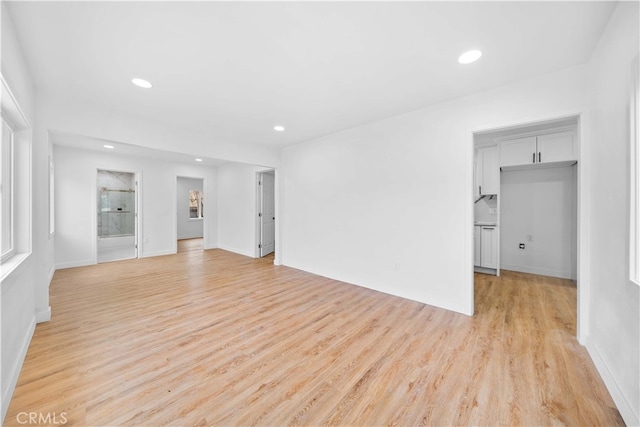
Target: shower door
[[117, 216]]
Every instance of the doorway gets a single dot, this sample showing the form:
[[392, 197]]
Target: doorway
[[534, 209], [117, 225], [266, 229], [190, 213]]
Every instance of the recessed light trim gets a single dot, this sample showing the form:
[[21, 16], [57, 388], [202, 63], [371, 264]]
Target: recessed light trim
[[110, 147], [198, 160], [141, 83], [278, 128], [470, 56]]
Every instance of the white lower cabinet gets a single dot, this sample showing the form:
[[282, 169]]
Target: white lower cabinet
[[489, 247], [476, 245], [485, 246]]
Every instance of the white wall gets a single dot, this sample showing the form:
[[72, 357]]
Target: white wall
[[24, 298], [538, 208], [237, 208], [614, 301], [389, 205], [188, 228], [76, 171]]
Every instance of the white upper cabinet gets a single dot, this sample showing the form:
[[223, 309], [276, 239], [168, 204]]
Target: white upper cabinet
[[557, 147], [548, 148], [518, 151], [488, 171]]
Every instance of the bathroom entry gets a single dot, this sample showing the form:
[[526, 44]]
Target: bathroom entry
[[117, 216]]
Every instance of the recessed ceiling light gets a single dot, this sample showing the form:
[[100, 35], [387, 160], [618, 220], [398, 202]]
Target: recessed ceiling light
[[198, 160], [278, 128], [111, 147], [469, 57], [141, 83]]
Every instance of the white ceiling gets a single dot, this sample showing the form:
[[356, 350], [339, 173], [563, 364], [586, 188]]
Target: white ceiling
[[234, 70], [84, 142]]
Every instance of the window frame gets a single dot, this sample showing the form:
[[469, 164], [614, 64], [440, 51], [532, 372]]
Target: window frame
[[634, 173], [5, 255], [199, 207]]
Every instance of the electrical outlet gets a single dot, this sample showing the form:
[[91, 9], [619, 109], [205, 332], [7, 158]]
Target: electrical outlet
[[521, 246], [146, 240], [396, 266], [493, 211]]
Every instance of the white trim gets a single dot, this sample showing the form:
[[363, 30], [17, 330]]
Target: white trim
[[12, 191], [634, 173], [73, 264], [582, 203], [159, 253], [14, 374], [12, 264], [537, 270], [436, 302], [43, 315], [237, 251], [623, 405]]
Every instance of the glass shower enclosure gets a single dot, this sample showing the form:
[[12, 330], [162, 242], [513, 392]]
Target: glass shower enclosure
[[116, 222]]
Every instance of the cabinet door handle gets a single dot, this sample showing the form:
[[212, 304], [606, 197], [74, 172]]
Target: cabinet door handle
[[488, 228], [534, 158], [539, 157], [479, 189]]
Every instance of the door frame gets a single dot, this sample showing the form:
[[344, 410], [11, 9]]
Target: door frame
[[205, 240], [258, 221], [137, 215], [582, 210]]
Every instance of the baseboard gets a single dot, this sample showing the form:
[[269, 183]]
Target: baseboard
[[536, 270], [626, 409], [436, 302], [7, 393], [237, 251], [72, 264], [157, 253], [51, 273], [44, 315]]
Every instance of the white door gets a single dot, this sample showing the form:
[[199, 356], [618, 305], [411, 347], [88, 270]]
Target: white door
[[267, 213]]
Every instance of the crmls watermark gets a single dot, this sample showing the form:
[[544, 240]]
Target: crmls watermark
[[34, 418]]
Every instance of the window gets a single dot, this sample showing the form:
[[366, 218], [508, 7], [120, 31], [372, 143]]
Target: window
[[6, 188], [634, 172], [15, 182], [52, 218], [196, 204]]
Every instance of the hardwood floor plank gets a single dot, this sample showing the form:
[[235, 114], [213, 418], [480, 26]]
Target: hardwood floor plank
[[213, 338]]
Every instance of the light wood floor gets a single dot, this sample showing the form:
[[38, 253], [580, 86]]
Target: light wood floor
[[213, 338], [188, 245]]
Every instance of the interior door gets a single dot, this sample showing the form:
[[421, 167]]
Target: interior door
[[267, 214]]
